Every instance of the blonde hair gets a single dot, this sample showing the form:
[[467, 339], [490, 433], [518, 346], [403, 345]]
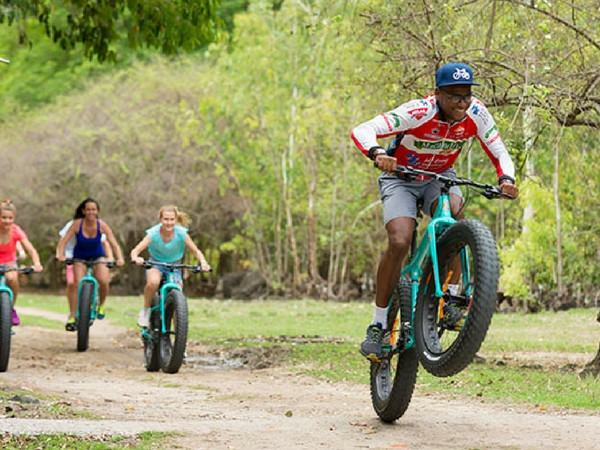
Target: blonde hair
[[8, 205], [180, 217]]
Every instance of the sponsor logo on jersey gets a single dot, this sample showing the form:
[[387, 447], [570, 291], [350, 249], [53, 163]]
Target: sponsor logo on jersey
[[418, 113], [457, 133], [492, 130], [396, 119], [439, 145], [413, 159]]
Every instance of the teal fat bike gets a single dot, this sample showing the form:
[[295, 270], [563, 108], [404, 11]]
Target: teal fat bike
[[426, 322], [166, 338], [87, 300], [6, 305]]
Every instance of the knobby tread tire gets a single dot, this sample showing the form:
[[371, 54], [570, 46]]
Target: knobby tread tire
[[5, 329], [392, 405], [484, 275], [173, 343], [85, 311]]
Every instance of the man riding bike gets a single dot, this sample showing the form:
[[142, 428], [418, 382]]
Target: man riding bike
[[430, 134]]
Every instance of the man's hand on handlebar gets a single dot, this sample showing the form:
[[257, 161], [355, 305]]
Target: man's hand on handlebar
[[509, 188], [386, 163]]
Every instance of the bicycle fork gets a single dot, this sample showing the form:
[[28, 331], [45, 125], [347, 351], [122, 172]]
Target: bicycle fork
[[88, 279]]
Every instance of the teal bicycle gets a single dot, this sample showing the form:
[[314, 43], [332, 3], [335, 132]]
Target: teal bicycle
[[166, 338], [87, 300], [6, 305], [427, 322]]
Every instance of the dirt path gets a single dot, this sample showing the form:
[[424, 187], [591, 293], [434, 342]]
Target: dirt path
[[256, 409]]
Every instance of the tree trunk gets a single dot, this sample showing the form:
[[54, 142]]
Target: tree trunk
[[593, 367], [559, 260], [312, 218], [287, 197]]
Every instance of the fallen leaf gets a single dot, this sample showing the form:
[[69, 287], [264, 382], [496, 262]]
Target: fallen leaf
[[359, 424]]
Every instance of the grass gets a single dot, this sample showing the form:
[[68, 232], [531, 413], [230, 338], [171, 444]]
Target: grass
[[142, 441], [322, 338]]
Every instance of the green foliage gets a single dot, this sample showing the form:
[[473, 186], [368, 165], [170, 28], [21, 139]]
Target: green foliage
[[527, 261], [168, 26], [250, 135]]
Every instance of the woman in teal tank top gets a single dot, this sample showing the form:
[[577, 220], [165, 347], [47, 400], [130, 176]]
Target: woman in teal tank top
[[166, 242]]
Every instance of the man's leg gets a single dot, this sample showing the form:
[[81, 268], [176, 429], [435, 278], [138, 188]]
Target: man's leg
[[400, 232]]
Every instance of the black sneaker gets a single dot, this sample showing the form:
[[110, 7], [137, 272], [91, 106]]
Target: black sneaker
[[371, 346]]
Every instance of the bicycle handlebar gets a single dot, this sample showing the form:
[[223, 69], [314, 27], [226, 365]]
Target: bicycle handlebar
[[172, 266], [25, 270], [89, 262], [487, 190]]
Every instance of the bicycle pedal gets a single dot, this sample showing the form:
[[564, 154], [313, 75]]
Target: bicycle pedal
[[374, 358]]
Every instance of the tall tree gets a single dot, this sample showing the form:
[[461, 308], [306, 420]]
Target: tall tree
[[167, 26]]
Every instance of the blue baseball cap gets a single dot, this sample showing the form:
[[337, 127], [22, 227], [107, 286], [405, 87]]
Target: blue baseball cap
[[454, 73]]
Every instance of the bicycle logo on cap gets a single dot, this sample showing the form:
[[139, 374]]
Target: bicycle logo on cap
[[461, 73]]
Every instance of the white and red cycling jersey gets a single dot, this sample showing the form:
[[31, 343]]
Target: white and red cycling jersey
[[426, 141]]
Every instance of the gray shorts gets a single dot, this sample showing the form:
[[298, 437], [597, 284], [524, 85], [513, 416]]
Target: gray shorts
[[400, 197]]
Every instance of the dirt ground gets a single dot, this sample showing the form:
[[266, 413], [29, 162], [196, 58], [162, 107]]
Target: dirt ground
[[250, 407]]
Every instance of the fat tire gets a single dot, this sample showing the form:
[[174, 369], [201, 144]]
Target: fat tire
[[5, 329], [172, 344], [85, 310], [151, 358], [391, 402], [484, 271]]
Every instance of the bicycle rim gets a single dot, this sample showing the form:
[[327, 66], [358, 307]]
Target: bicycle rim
[[393, 378], [449, 330]]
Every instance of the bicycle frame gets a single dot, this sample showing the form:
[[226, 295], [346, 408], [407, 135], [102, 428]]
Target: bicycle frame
[[5, 288], [163, 290], [427, 249], [166, 287]]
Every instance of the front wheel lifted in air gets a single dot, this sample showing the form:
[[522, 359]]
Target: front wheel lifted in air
[[450, 329]]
